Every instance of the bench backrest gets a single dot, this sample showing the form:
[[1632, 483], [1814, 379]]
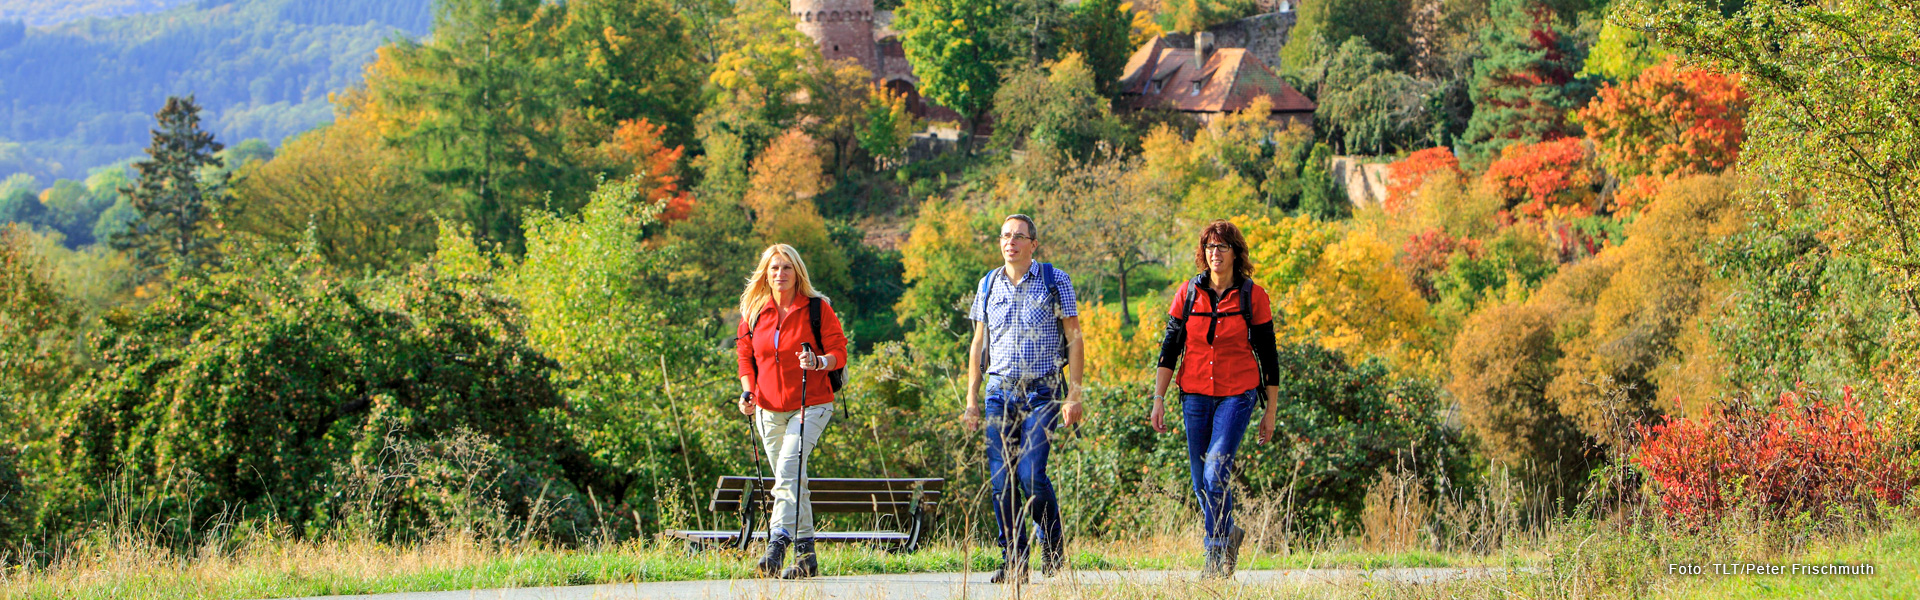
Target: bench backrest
[[834, 495]]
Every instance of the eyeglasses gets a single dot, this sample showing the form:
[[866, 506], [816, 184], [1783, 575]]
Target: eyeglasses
[[1218, 247], [1015, 236]]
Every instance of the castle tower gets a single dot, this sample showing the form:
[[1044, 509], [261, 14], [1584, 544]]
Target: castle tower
[[843, 28]]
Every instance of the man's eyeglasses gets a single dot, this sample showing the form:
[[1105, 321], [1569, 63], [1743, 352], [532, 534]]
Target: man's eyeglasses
[[1015, 236]]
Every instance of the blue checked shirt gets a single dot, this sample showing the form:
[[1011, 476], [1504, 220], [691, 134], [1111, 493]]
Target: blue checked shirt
[[1023, 330]]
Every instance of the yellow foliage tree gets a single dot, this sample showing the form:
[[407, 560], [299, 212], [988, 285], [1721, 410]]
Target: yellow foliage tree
[[365, 205], [1113, 356], [1340, 290]]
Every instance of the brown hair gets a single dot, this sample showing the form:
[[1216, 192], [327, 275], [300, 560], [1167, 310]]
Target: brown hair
[[1224, 232], [1032, 230]]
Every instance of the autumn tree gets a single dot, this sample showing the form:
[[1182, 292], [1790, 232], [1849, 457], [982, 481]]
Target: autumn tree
[[1526, 83], [631, 60], [1501, 364], [785, 179], [837, 109], [1104, 216], [1546, 179], [889, 127], [179, 213], [955, 52], [946, 254], [1833, 126], [637, 149], [1406, 176], [360, 202], [1620, 370], [1669, 122], [755, 88]]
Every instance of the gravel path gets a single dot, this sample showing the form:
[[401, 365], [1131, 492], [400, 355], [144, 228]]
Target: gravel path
[[921, 586]]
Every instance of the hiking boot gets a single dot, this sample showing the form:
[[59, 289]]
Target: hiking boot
[[1231, 558], [1216, 558], [1052, 560], [769, 566], [1009, 572], [805, 564]]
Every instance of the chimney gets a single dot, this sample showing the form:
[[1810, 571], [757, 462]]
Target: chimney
[[1202, 49]]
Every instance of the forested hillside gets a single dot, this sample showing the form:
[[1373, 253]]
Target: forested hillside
[[82, 94], [41, 13]]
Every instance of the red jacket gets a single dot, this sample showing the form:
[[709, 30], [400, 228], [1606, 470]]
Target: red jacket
[[777, 386], [1225, 366]]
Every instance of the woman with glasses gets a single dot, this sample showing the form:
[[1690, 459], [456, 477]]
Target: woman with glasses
[[1222, 323], [781, 344]]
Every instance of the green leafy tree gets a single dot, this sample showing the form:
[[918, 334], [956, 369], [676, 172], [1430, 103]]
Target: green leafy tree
[[1057, 107], [1321, 28], [634, 59], [179, 213], [1526, 82], [1370, 108], [889, 127], [954, 50], [485, 112], [1099, 31]]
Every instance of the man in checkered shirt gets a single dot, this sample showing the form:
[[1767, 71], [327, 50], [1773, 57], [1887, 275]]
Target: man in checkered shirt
[[1022, 323]]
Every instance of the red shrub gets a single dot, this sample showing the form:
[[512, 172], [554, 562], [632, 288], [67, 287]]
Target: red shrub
[[1546, 179], [1426, 254], [1787, 459], [1405, 178]]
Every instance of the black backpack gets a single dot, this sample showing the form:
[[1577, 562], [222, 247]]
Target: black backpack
[[1194, 289], [1053, 294], [838, 376]]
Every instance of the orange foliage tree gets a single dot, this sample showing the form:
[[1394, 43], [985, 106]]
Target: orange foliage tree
[[636, 149], [1406, 177], [1547, 179], [1669, 122]]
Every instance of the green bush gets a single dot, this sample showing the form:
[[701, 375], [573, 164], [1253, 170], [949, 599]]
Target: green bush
[[261, 394]]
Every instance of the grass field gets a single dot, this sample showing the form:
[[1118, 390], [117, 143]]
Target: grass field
[[1571, 562]]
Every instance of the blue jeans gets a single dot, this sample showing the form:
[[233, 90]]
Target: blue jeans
[[1215, 425], [1019, 423]]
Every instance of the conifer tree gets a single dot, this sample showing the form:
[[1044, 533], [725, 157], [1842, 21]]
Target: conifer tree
[[178, 208], [1526, 83]]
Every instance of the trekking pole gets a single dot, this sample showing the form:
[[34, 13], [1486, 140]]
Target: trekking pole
[[801, 447]]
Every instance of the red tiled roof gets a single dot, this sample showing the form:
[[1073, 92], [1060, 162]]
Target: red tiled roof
[[1158, 75]]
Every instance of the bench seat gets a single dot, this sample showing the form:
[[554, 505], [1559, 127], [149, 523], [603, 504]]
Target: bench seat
[[911, 501]]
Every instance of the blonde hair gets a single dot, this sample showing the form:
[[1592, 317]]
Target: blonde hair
[[760, 291]]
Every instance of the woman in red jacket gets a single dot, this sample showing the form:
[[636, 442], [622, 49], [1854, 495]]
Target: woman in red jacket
[[1222, 323], [776, 318]]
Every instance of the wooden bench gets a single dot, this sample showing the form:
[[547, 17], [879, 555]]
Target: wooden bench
[[911, 502]]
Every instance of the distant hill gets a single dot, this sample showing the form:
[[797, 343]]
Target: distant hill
[[82, 94], [41, 13]]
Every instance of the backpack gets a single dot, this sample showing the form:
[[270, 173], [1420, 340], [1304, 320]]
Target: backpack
[[1194, 289], [836, 377], [1053, 294]]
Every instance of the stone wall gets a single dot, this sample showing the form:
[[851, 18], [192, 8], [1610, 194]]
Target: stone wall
[[1261, 35], [1366, 183]]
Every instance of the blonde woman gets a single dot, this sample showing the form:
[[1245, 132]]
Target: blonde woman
[[788, 334]]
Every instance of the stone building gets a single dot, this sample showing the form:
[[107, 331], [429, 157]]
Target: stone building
[[851, 29], [1206, 82]]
